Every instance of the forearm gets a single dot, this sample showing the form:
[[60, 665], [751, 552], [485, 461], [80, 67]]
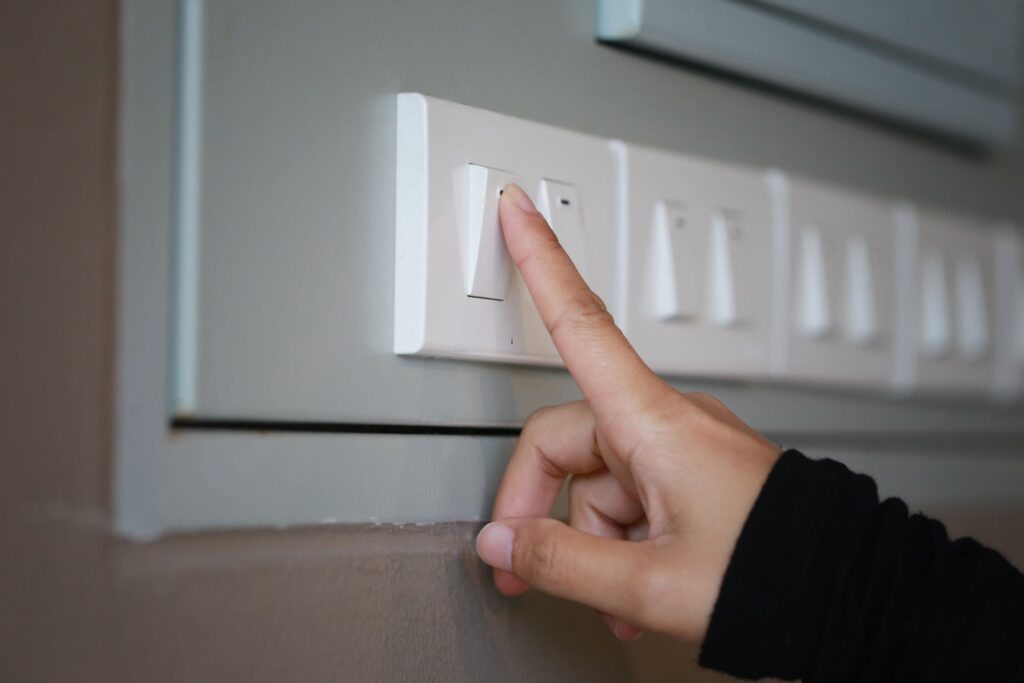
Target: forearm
[[826, 583]]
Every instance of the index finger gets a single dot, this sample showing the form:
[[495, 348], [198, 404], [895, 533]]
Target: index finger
[[609, 372]]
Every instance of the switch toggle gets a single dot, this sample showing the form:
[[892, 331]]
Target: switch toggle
[[560, 204], [861, 315], [722, 309], [815, 316], [488, 264], [936, 335], [674, 279], [971, 315]]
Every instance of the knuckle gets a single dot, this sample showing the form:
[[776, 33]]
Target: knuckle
[[697, 409], [535, 419], [542, 561], [669, 412], [534, 434], [546, 242], [652, 462], [581, 491], [683, 403], [585, 311], [707, 400]]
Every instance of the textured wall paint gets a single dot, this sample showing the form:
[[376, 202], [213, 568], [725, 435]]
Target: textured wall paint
[[332, 604], [344, 604]]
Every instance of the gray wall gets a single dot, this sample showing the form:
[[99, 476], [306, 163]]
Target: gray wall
[[331, 604], [296, 174]]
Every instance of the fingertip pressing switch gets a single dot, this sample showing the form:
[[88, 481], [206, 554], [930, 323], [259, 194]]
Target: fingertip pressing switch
[[489, 264]]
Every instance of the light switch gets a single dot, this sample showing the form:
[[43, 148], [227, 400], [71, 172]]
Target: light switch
[[956, 305], [814, 314], [972, 326], [936, 332], [457, 292], [722, 308], [560, 204], [861, 308], [836, 321], [674, 284], [698, 259], [488, 264]]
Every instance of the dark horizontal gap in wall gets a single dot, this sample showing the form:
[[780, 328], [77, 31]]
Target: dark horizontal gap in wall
[[910, 441], [315, 427]]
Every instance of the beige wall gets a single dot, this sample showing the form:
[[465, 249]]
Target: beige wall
[[335, 604], [58, 70]]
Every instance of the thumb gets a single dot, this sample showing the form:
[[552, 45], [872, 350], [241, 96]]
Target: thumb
[[606, 574]]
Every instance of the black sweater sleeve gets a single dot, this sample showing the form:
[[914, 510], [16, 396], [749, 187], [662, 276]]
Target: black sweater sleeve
[[828, 584]]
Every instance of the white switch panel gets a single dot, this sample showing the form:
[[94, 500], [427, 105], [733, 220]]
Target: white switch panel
[[712, 270], [949, 288], [697, 264], [837, 271], [457, 294]]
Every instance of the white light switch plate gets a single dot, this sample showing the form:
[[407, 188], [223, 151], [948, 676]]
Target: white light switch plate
[[697, 264], [440, 149], [948, 283], [837, 315]]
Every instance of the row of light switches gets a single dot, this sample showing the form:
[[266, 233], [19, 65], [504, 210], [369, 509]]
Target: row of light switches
[[711, 270], [844, 306]]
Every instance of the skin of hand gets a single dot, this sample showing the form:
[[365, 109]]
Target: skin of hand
[[661, 482]]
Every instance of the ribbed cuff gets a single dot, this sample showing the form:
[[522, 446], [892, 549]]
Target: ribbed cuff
[[797, 535]]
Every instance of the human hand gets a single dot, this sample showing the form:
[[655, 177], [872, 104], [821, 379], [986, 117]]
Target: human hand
[[661, 481]]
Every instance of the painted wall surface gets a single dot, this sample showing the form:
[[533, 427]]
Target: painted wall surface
[[329, 604], [296, 172]]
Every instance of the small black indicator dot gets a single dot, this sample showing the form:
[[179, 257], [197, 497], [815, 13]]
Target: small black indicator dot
[[563, 201], [501, 192]]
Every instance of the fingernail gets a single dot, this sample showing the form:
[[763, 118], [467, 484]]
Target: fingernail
[[627, 632], [494, 545], [520, 198]]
